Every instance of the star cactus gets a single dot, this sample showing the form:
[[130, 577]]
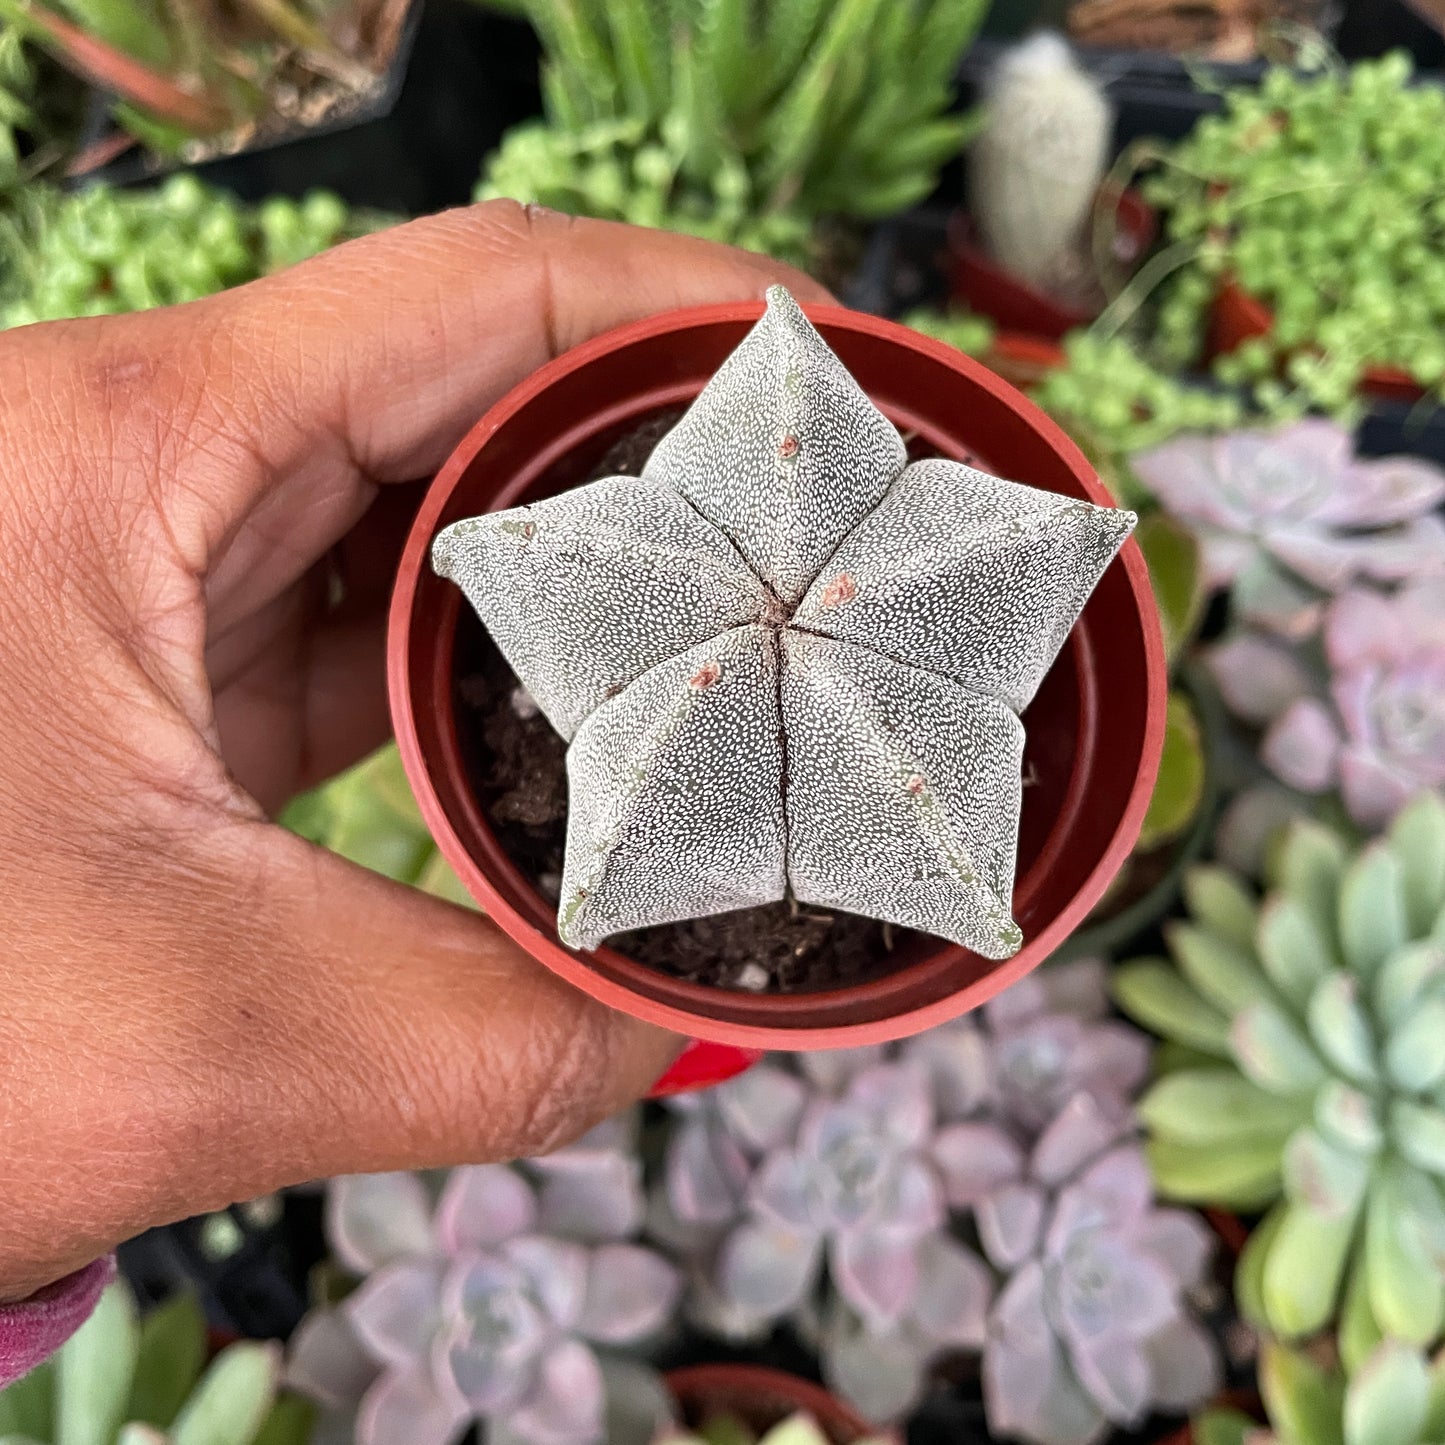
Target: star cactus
[[494, 1305], [1308, 1078], [1091, 1327], [786, 661], [1291, 517]]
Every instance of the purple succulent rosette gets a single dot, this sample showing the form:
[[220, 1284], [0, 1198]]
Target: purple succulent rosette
[[489, 1305], [787, 662], [1091, 1327], [1291, 517], [1374, 726]]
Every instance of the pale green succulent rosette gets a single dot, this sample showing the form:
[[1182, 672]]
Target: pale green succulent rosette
[[1304, 1074]]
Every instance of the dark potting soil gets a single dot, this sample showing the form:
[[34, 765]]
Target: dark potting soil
[[518, 768]]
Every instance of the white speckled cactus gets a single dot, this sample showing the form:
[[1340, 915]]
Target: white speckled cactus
[[786, 661], [1038, 160]]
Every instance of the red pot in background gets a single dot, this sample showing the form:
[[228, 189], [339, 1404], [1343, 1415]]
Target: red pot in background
[[1236, 316], [761, 1398], [989, 288], [1024, 361], [1095, 730]]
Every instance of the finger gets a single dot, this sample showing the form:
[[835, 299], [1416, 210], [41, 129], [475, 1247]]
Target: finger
[[314, 1020]]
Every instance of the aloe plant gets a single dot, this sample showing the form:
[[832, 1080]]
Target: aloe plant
[[1305, 1075], [125, 1380], [787, 662], [742, 121]]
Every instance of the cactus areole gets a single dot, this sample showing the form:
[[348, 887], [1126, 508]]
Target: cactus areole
[[790, 663]]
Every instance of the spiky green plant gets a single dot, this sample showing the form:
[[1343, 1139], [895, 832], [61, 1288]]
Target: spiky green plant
[[1396, 1397], [745, 120], [128, 1381], [1305, 1074]]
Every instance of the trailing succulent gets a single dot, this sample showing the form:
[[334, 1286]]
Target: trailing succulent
[[739, 121], [1305, 1075], [1395, 1397], [495, 1299], [123, 1380], [780, 588]]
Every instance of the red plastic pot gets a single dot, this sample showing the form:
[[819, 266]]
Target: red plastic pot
[[761, 1398], [1236, 317], [1024, 361], [1095, 730], [989, 288]]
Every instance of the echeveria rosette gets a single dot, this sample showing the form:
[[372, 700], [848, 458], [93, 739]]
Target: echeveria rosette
[[1379, 735], [1291, 517], [786, 662], [481, 1308], [1396, 1396], [1307, 1076]]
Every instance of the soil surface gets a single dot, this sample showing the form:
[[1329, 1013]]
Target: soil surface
[[518, 768]]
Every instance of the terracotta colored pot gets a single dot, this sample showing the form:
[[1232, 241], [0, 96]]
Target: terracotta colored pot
[[1095, 730], [988, 287], [761, 1397], [1236, 316], [1024, 361]]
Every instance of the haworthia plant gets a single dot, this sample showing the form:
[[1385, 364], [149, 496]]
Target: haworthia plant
[[1306, 1073], [788, 662], [128, 1381]]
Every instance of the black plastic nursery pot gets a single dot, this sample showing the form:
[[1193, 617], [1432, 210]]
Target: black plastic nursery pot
[[1095, 730]]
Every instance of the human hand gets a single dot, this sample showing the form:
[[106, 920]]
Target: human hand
[[199, 1007]]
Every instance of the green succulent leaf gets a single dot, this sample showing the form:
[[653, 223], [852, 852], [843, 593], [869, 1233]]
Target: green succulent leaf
[[1407, 1286], [1359, 1330], [1387, 1399], [1249, 1272], [1224, 975], [1179, 787], [1434, 1427], [1303, 1268], [1310, 864], [1348, 1117], [1323, 1176], [94, 1372], [1172, 552], [1407, 979], [1243, 1174], [1340, 1029], [27, 1407], [1415, 1052], [172, 1352], [1418, 1132], [233, 1398], [1152, 993], [1305, 1404], [1417, 837], [1217, 1105], [1220, 902], [292, 1421], [1293, 949], [1274, 1052], [1372, 910], [1223, 1427]]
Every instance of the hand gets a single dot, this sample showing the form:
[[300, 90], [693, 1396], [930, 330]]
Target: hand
[[199, 1007]]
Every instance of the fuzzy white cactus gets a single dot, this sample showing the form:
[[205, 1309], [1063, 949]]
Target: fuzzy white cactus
[[786, 661], [1037, 162]]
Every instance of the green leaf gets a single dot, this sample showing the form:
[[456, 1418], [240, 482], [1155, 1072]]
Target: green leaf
[[1415, 1052], [1434, 1427], [1406, 979], [137, 1434], [1325, 1177], [1209, 1106], [1311, 864], [291, 1422], [94, 1371], [726, 1430], [1407, 1290], [1179, 787], [1348, 1116], [1303, 1268], [233, 1398], [1239, 1175], [1223, 1427], [1273, 1051], [1221, 902], [1359, 1331], [1224, 975], [1292, 948], [798, 1430], [172, 1352], [1172, 553], [1152, 993], [1305, 1405], [1418, 1131], [1249, 1272], [1417, 838], [1372, 910], [1340, 1030], [1385, 1402], [26, 1407]]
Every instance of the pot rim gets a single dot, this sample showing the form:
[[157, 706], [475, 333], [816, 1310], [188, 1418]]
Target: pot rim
[[544, 947], [690, 1382]]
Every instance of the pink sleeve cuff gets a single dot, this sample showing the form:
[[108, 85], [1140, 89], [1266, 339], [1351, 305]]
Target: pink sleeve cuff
[[33, 1329]]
